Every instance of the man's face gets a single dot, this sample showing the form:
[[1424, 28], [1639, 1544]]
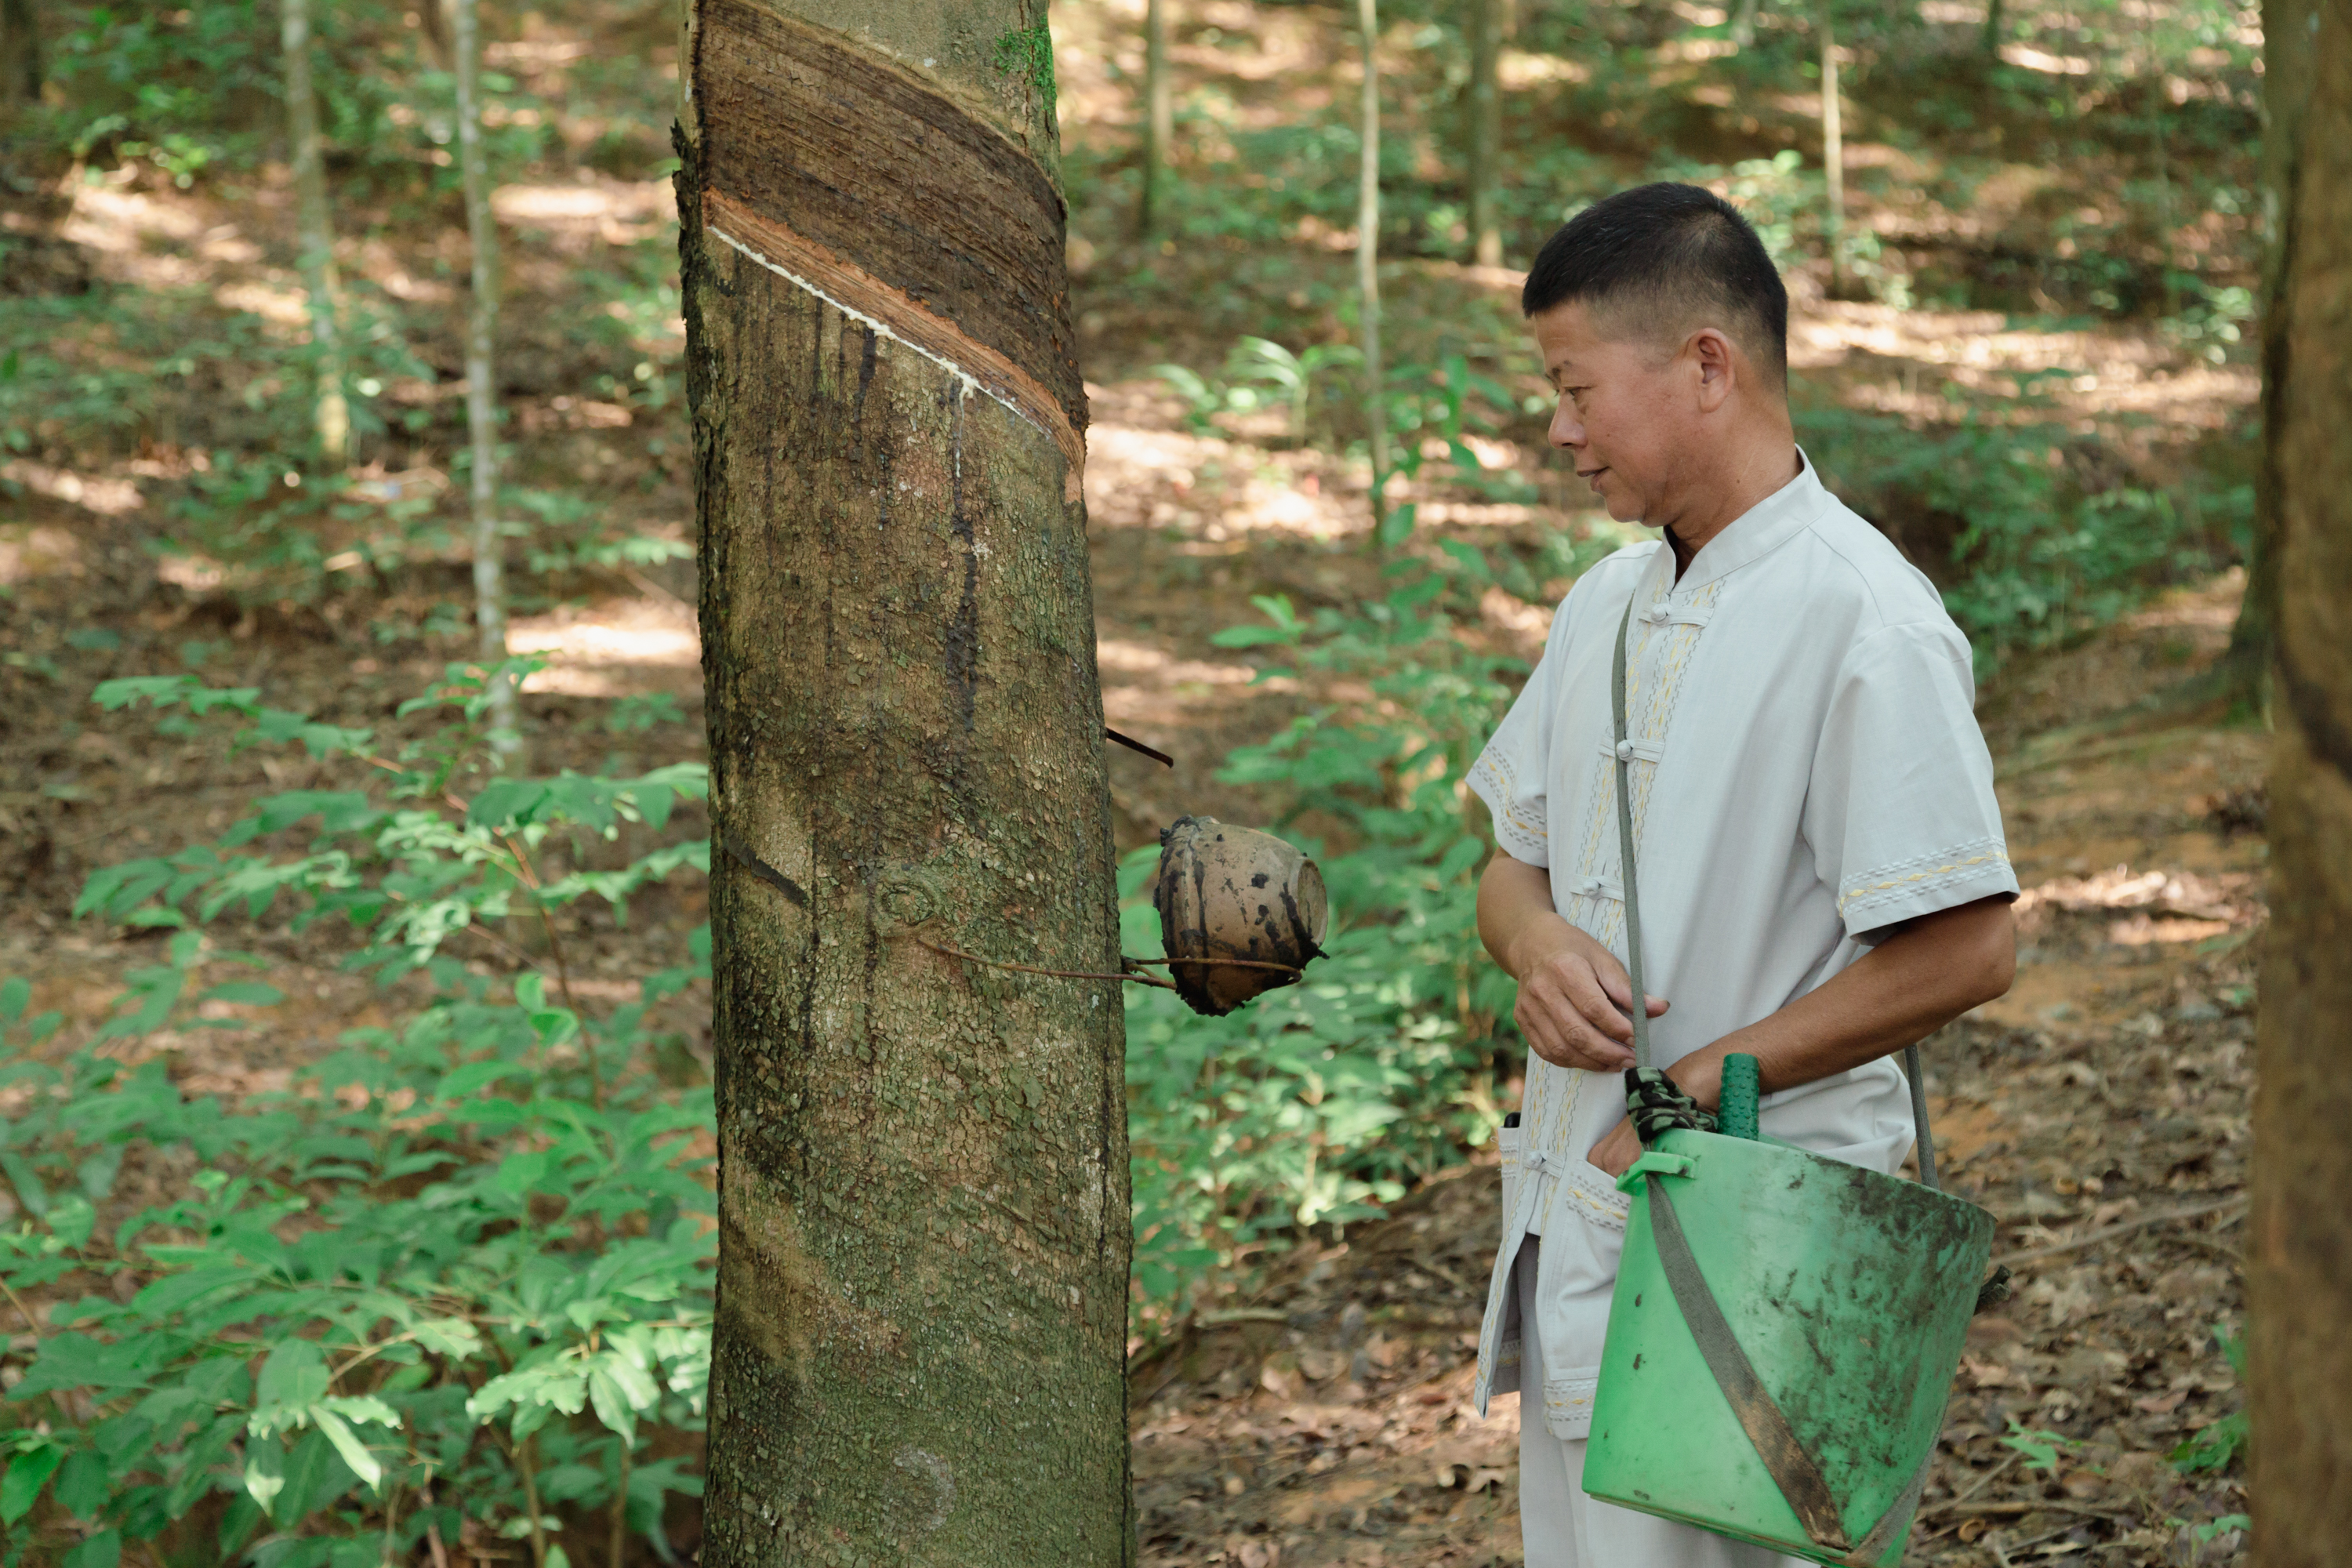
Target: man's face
[[1626, 413]]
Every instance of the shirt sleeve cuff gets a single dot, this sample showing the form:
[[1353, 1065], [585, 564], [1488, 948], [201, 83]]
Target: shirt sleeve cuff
[[1519, 838], [1927, 884]]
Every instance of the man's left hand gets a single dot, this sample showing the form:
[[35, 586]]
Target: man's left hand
[[1617, 1150]]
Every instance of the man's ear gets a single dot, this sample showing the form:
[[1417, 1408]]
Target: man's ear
[[1718, 367]]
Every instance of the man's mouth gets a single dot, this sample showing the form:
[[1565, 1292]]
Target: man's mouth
[[1590, 475]]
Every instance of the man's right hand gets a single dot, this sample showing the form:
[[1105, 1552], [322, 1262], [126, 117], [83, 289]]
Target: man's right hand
[[1574, 996]]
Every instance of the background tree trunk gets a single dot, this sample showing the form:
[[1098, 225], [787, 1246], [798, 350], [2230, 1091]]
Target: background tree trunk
[[924, 1215], [1833, 150], [1159, 114], [2288, 67], [1367, 264], [481, 391], [1743, 24], [314, 232], [1484, 26], [2299, 1236], [20, 52]]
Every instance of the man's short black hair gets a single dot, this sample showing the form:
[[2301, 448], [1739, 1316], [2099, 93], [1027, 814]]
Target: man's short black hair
[[1675, 259]]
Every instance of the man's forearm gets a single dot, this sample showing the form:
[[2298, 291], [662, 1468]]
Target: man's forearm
[[1514, 900], [1896, 994]]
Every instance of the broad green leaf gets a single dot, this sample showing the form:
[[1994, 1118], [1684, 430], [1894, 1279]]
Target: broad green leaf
[[249, 993], [315, 1477], [82, 1484], [354, 1452], [294, 1376], [612, 1404], [27, 1182], [70, 1219], [449, 1336], [518, 1173], [76, 1360], [103, 1549], [361, 1407], [15, 992], [463, 1082], [26, 1473], [245, 1514], [265, 1471]]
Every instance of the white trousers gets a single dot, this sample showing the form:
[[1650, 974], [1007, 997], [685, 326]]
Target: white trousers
[[1562, 1528]]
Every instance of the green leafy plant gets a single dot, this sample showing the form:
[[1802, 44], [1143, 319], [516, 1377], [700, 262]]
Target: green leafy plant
[[1321, 1101], [449, 1285], [2217, 1447], [2040, 1448]]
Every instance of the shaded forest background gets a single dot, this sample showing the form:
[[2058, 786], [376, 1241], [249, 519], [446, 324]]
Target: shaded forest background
[[356, 1130]]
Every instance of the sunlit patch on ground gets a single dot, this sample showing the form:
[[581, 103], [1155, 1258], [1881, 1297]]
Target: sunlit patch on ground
[[29, 552], [619, 648], [103, 494], [615, 212]]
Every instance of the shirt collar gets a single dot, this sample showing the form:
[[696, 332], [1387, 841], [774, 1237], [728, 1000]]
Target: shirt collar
[[1761, 529]]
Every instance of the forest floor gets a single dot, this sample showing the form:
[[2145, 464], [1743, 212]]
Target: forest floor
[[2099, 1110]]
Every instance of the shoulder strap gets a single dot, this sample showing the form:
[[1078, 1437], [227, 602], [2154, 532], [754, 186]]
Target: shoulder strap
[[1624, 756], [1625, 841]]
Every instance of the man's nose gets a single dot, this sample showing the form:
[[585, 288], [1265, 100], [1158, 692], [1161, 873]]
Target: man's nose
[[1566, 430]]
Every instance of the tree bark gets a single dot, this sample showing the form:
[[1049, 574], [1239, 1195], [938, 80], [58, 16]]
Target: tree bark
[[924, 1212], [1367, 264], [1833, 149], [1159, 114], [1484, 27], [2288, 67], [481, 393], [2299, 1240], [314, 232], [20, 52]]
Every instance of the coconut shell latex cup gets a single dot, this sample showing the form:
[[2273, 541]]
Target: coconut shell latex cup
[[1234, 893]]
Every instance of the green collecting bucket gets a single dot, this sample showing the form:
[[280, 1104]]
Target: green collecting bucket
[[1794, 1400]]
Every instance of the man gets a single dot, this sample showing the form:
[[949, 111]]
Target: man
[[1823, 875]]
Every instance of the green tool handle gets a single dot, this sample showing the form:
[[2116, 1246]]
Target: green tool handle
[[1735, 1114]]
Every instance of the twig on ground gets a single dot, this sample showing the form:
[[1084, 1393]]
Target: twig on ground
[[2121, 1228]]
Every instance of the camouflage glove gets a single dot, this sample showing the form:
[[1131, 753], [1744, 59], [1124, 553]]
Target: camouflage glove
[[1654, 1103]]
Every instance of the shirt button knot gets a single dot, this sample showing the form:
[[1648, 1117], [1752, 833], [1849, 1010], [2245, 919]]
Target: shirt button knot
[[1656, 615], [1624, 751]]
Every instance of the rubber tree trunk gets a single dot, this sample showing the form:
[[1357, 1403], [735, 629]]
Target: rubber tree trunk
[[481, 389], [924, 1214], [1485, 26], [1158, 114], [314, 232], [1367, 264], [2299, 1236], [2288, 66], [1833, 149]]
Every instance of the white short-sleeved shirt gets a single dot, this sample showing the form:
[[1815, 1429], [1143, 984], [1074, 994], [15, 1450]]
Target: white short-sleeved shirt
[[1807, 770]]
